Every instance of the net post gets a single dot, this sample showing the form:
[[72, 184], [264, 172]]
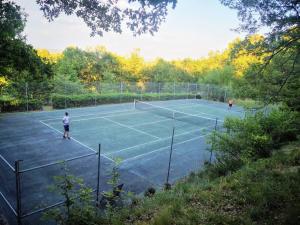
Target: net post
[[134, 104], [167, 184], [98, 175], [18, 192]]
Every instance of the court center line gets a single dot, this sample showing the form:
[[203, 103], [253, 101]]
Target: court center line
[[160, 149], [132, 128], [49, 126], [151, 142]]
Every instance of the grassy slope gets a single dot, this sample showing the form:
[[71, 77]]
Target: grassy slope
[[263, 192]]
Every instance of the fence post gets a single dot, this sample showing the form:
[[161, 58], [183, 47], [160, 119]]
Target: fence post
[[211, 149], [26, 94], [167, 185], [208, 92], [188, 90], [159, 91], [18, 192], [121, 91], [65, 95], [174, 90], [98, 175]]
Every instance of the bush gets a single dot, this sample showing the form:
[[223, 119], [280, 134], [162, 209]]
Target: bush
[[252, 138], [63, 101], [9, 104]]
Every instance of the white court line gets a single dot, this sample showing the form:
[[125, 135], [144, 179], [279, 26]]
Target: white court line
[[103, 117], [76, 141], [151, 142], [171, 110], [218, 108], [157, 121], [160, 149], [194, 105], [132, 128], [120, 111], [110, 114]]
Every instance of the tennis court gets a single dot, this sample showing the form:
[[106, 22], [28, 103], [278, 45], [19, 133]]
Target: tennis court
[[137, 133]]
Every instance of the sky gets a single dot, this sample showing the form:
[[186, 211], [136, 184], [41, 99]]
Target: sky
[[192, 30]]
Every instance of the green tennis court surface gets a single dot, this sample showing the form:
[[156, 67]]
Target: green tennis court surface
[[139, 134]]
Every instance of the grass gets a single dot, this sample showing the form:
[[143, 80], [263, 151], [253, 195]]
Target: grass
[[262, 192]]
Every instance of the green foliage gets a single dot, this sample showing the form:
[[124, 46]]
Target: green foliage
[[277, 14], [61, 101], [140, 16], [20, 63], [63, 86], [263, 192], [221, 77], [249, 104], [276, 77], [78, 205], [12, 21], [10, 104], [163, 71], [252, 138]]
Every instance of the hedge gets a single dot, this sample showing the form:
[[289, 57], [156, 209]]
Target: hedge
[[63, 101], [9, 104]]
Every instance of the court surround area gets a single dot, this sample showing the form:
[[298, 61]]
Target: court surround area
[[139, 134]]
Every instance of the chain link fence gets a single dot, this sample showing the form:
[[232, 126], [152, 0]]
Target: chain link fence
[[27, 96]]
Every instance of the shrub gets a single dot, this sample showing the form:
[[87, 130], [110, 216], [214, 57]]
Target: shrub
[[9, 104], [63, 101], [251, 138]]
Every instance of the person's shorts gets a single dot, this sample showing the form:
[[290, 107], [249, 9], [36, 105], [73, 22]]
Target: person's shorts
[[66, 127], [230, 105]]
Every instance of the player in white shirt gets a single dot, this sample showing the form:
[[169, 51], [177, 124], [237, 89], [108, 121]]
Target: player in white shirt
[[66, 122]]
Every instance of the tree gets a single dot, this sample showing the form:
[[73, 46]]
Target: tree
[[281, 46], [140, 16], [19, 62]]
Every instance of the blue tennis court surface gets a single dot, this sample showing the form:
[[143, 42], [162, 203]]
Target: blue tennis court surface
[[139, 134]]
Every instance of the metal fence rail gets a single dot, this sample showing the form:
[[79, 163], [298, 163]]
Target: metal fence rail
[[18, 209], [38, 96]]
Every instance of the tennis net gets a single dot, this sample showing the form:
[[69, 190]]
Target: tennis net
[[195, 120]]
